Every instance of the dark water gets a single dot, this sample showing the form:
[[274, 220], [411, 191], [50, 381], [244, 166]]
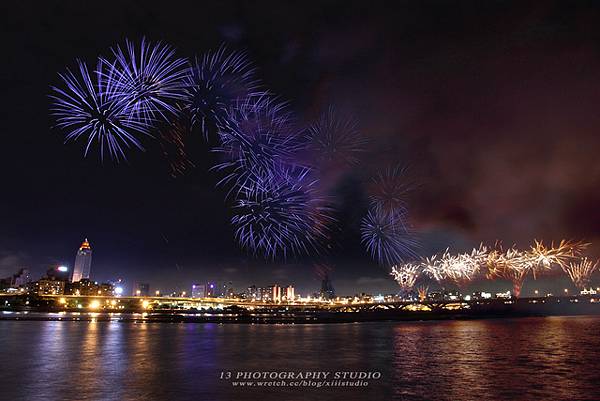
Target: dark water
[[529, 359]]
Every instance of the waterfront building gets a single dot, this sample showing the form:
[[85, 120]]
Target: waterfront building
[[211, 290], [252, 292], [224, 290], [21, 278], [289, 293], [199, 290], [83, 262], [49, 286], [279, 294], [142, 290], [276, 294], [87, 287], [264, 293]]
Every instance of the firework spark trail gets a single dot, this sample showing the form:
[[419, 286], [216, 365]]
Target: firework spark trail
[[149, 78], [387, 237], [334, 139], [406, 275], [257, 140], [277, 217], [390, 188], [580, 272], [214, 83], [88, 108], [513, 265], [463, 268], [459, 269], [432, 266], [545, 258], [172, 143]]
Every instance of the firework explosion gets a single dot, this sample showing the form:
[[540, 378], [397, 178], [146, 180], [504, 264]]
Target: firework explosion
[[581, 272], [149, 79], [389, 189], [512, 265], [545, 258], [213, 84], [334, 139], [422, 291], [257, 140], [459, 269], [387, 237], [88, 108], [406, 275], [276, 216]]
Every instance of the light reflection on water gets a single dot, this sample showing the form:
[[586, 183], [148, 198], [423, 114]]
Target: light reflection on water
[[537, 358]]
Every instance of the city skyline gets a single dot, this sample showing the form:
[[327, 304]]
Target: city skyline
[[561, 268]]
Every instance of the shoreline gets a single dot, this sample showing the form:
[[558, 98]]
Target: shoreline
[[251, 318]]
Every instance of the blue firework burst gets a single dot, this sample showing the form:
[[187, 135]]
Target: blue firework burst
[[387, 236], [389, 190], [213, 83], [87, 108], [149, 78], [281, 216], [257, 139], [334, 138]]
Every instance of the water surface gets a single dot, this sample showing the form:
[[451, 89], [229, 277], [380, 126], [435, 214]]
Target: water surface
[[505, 359]]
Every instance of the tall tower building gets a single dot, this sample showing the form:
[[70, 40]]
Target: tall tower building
[[83, 262]]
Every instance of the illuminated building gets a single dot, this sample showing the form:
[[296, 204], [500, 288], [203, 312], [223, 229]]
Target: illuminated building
[[142, 290], [49, 286], [199, 290], [264, 293], [252, 292], [210, 290], [289, 293], [279, 294], [88, 287], [83, 262], [223, 290], [276, 295]]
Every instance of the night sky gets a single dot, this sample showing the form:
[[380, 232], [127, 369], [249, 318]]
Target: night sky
[[492, 105]]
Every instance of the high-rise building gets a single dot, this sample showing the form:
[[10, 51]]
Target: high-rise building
[[142, 290], [252, 292], [83, 262], [288, 293], [276, 297], [327, 290], [282, 293], [199, 290], [21, 278]]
